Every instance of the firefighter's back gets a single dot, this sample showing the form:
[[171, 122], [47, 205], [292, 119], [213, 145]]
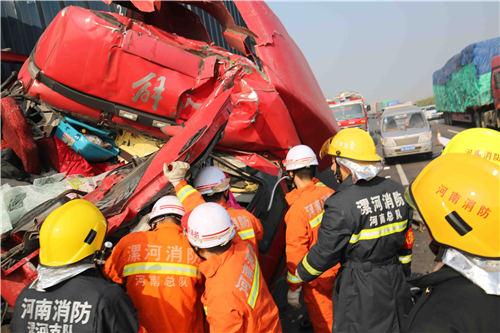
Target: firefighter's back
[[83, 303], [236, 296], [160, 271], [380, 218]]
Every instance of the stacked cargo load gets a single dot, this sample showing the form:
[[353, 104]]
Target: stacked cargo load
[[464, 82]]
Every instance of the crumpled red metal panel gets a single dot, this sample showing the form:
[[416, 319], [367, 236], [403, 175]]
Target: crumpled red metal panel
[[290, 74], [260, 121], [18, 135], [13, 283], [257, 162], [187, 145], [287, 70]]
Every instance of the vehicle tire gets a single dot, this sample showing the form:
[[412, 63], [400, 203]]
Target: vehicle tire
[[482, 120], [447, 119], [478, 121]]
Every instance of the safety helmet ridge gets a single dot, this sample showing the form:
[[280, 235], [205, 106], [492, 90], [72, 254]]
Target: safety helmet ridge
[[211, 180], [167, 205], [298, 157], [209, 225], [70, 233]]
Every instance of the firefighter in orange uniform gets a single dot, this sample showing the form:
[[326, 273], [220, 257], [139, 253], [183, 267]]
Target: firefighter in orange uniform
[[302, 222], [212, 185], [160, 272], [236, 297]]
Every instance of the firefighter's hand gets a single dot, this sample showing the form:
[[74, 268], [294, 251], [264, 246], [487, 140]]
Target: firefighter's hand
[[293, 298], [175, 171]]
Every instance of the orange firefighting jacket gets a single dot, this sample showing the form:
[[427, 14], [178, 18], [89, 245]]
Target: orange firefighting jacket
[[248, 226], [236, 297], [303, 219], [160, 272]]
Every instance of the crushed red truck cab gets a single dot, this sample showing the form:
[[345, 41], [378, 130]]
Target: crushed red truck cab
[[241, 112]]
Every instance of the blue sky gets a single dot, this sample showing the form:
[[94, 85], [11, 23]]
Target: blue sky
[[384, 49]]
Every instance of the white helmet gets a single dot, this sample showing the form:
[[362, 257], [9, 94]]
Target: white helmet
[[209, 225], [166, 205], [299, 157], [211, 180]]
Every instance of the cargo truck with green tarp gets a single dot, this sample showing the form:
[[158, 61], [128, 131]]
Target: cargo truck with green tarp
[[463, 86]]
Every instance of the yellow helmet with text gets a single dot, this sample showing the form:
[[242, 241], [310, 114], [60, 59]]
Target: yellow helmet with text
[[70, 233], [482, 142], [457, 196], [352, 143]]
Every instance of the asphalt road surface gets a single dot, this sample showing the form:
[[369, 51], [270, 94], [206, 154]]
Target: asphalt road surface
[[403, 170]]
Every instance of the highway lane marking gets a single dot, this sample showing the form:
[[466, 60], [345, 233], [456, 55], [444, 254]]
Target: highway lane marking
[[402, 175], [386, 168], [453, 131], [387, 176]]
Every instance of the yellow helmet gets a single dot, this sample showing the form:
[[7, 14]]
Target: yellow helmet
[[71, 233], [352, 143], [483, 142], [457, 196]]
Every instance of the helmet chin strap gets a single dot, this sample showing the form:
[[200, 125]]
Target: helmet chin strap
[[338, 173], [291, 179]]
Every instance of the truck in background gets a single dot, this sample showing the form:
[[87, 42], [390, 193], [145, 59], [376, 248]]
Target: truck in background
[[350, 110], [465, 87], [495, 82], [380, 106]]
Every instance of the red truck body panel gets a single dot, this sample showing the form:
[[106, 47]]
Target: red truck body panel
[[150, 72], [289, 72], [200, 94]]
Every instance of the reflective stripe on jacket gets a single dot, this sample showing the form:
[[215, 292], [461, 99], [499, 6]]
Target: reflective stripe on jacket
[[302, 220], [160, 272], [236, 297], [302, 223], [363, 228]]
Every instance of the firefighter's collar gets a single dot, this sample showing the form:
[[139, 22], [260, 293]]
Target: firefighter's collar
[[435, 278], [51, 276], [484, 273], [210, 266], [293, 195], [345, 184], [168, 225]]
